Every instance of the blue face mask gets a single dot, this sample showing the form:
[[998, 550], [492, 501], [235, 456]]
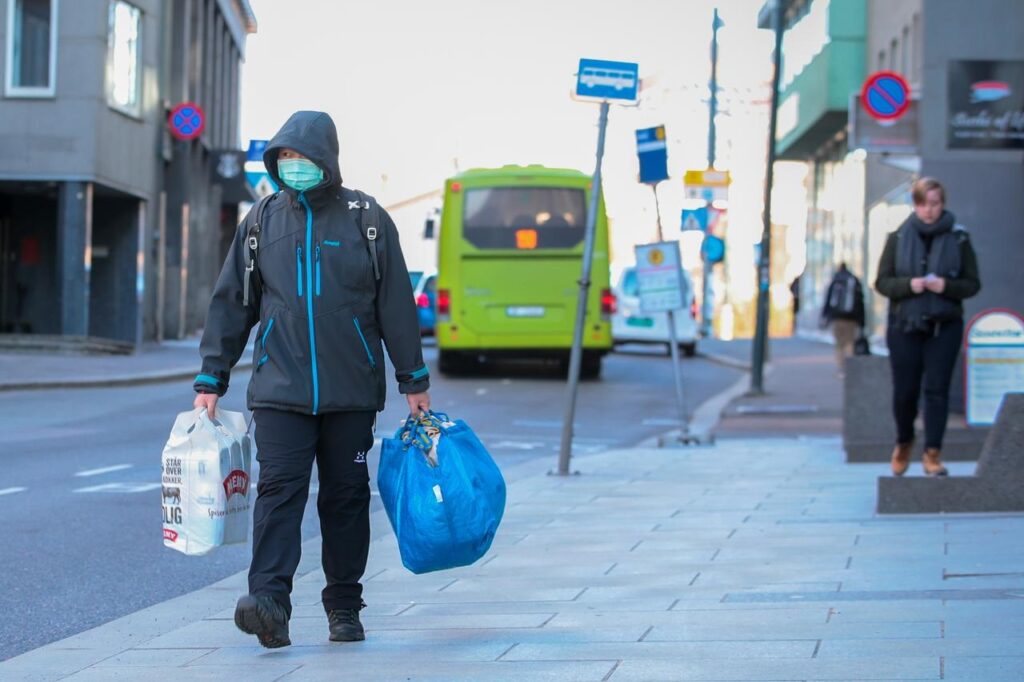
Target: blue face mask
[[299, 174]]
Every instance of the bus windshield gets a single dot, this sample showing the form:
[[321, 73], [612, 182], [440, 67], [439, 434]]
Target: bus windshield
[[493, 216]]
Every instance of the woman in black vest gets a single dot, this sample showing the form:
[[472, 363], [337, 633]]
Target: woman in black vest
[[927, 268]]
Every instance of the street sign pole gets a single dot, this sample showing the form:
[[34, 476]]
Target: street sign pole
[[764, 262], [673, 340], [576, 356], [707, 305]]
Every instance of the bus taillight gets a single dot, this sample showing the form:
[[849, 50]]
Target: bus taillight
[[423, 301], [444, 302], [609, 303]]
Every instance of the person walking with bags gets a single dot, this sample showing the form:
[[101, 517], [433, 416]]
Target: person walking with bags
[[844, 310], [319, 268], [928, 267]]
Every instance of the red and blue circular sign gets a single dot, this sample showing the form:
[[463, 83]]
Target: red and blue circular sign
[[885, 95], [187, 121]]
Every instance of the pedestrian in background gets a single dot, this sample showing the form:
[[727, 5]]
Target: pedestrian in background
[[928, 267], [844, 310], [319, 267]]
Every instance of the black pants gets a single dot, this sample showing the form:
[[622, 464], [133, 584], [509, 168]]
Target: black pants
[[932, 355], [287, 443]]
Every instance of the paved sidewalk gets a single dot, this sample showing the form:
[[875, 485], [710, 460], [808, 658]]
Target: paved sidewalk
[[165, 361], [750, 560]]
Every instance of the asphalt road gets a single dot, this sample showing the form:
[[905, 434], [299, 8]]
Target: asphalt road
[[80, 471]]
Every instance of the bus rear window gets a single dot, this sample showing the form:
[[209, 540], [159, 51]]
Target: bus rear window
[[492, 217]]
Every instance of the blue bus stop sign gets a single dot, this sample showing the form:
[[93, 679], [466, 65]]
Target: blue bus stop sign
[[599, 79], [653, 153], [255, 151]]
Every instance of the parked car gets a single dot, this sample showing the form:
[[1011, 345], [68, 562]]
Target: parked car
[[425, 294], [631, 325]]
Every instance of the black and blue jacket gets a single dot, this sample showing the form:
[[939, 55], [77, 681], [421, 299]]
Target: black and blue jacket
[[322, 312]]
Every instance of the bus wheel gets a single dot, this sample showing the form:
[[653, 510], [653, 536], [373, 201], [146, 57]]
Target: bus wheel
[[591, 366], [450, 362]]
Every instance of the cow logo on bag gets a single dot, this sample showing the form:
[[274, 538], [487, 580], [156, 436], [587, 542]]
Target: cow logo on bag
[[236, 482]]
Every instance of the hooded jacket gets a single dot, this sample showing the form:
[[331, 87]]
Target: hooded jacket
[[322, 313]]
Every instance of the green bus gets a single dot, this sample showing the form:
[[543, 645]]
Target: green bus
[[510, 256]]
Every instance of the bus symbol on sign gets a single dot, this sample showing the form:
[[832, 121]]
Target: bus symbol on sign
[[608, 80]]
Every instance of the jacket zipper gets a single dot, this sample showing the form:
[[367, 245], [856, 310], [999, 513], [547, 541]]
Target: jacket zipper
[[263, 344], [366, 346], [309, 300], [318, 268], [298, 269]]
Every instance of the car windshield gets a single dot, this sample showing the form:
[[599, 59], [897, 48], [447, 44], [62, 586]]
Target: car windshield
[[415, 277], [629, 284]]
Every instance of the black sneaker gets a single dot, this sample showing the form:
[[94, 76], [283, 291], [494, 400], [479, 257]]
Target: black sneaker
[[264, 617], [345, 625]]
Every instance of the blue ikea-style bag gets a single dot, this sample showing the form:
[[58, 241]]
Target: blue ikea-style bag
[[443, 493]]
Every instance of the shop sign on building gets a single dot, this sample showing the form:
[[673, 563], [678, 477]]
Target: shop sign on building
[[986, 104]]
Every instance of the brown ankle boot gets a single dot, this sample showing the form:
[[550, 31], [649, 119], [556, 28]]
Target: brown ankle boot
[[932, 462], [901, 458]]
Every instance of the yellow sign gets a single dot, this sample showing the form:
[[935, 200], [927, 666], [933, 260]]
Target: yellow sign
[[707, 178]]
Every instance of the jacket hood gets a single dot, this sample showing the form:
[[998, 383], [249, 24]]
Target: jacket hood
[[314, 135]]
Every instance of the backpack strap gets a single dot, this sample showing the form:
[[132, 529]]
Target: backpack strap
[[368, 226], [253, 245]]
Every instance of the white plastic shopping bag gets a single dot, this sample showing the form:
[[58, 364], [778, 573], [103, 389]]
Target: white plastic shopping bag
[[205, 477]]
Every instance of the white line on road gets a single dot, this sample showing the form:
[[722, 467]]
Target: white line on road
[[516, 445], [11, 491], [104, 470], [119, 488]]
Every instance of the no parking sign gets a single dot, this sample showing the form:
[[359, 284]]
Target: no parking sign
[[885, 95]]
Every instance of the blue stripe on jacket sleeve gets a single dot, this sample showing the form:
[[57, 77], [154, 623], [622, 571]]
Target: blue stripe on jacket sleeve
[[207, 379], [421, 373]]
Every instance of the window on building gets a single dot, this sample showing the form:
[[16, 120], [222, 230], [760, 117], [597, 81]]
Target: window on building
[[918, 53], [123, 57], [31, 48], [905, 53], [881, 60], [893, 53]]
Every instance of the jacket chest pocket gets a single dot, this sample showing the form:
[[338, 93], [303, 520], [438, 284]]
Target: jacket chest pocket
[[341, 270]]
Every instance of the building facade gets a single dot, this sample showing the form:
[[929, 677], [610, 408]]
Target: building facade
[[103, 214], [860, 174]]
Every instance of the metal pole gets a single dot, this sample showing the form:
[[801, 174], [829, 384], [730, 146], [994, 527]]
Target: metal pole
[[707, 304], [713, 101], [764, 264], [576, 357], [673, 340]]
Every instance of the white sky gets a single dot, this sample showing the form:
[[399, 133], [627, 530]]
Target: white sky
[[416, 87]]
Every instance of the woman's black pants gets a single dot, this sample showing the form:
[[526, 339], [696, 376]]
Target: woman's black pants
[[287, 443], [930, 356]]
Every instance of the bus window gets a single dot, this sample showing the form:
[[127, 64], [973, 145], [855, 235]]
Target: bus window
[[492, 216]]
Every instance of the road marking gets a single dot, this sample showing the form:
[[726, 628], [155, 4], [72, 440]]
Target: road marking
[[104, 470], [541, 423], [516, 445], [119, 488], [661, 422], [11, 491]]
